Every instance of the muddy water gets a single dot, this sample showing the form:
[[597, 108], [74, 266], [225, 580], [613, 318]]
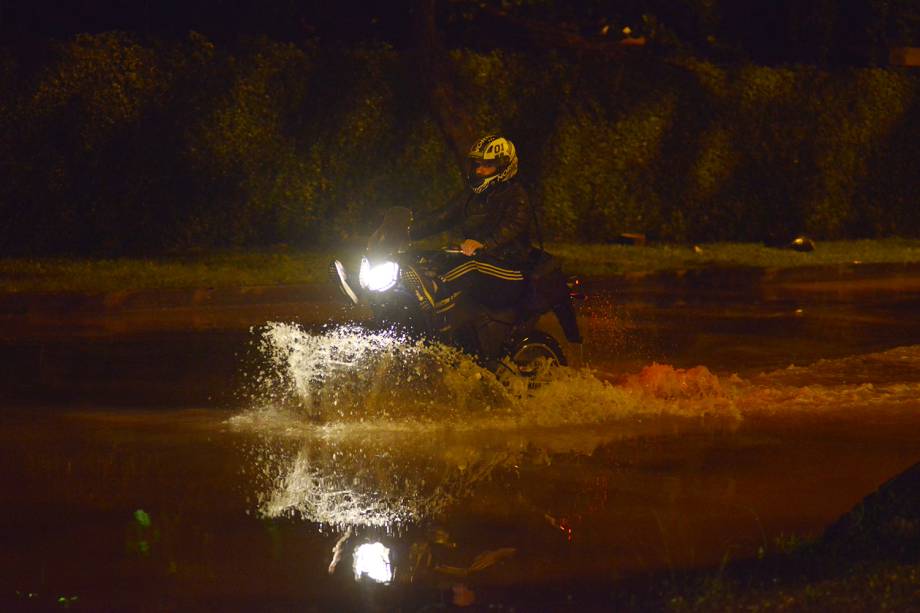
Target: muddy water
[[220, 467]]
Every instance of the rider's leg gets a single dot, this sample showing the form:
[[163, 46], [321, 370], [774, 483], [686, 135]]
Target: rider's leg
[[468, 288], [492, 282], [483, 280]]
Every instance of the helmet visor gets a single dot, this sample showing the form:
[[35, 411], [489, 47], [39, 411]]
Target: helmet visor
[[479, 171]]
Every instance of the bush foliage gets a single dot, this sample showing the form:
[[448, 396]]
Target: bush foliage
[[113, 145]]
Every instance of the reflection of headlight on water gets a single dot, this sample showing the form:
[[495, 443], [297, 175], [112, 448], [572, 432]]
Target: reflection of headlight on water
[[378, 278], [373, 560], [343, 281]]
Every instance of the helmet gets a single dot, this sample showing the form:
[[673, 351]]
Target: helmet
[[492, 151]]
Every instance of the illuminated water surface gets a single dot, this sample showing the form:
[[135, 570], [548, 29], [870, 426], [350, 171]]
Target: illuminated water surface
[[689, 439]]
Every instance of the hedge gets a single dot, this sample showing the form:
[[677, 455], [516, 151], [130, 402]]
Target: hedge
[[115, 144]]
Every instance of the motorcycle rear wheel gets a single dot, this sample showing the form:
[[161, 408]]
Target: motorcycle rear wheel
[[534, 354]]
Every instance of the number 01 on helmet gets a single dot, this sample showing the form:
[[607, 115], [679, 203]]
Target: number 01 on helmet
[[491, 151]]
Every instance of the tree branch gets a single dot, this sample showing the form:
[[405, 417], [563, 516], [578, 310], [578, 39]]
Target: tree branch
[[550, 36], [451, 113]]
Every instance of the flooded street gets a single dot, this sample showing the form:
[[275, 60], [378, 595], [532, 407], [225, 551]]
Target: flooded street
[[151, 463]]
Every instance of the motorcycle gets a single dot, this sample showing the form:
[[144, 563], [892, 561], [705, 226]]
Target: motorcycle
[[398, 284]]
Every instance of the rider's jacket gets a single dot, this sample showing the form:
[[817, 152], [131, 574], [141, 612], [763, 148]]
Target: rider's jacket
[[499, 218]]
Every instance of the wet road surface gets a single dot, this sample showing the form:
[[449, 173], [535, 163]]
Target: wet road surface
[[173, 467]]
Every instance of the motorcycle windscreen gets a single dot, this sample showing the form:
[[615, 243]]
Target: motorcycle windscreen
[[392, 236]]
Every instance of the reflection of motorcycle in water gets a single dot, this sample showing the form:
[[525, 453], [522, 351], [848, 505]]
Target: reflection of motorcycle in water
[[382, 491], [391, 495], [399, 284]]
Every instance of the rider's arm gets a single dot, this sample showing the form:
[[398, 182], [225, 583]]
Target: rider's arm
[[515, 224], [446, 218]]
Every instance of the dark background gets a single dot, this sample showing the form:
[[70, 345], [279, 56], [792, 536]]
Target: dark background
[[165, 127], [837, 32]]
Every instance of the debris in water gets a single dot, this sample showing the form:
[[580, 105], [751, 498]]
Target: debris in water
[[142, 518], [802, 244]]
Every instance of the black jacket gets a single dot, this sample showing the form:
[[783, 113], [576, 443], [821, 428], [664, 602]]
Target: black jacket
[[499, 218]]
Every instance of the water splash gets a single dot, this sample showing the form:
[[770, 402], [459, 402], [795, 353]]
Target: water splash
[[370, 429], [353, 375], [378, 430], [874, 383], [382, 380]]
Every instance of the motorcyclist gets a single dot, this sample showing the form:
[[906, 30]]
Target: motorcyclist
[[495, 219]]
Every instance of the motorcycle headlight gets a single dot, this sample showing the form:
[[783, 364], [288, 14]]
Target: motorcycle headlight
[[378, 278]]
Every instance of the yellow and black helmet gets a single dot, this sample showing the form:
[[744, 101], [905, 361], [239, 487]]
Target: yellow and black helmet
[[492, 151]]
